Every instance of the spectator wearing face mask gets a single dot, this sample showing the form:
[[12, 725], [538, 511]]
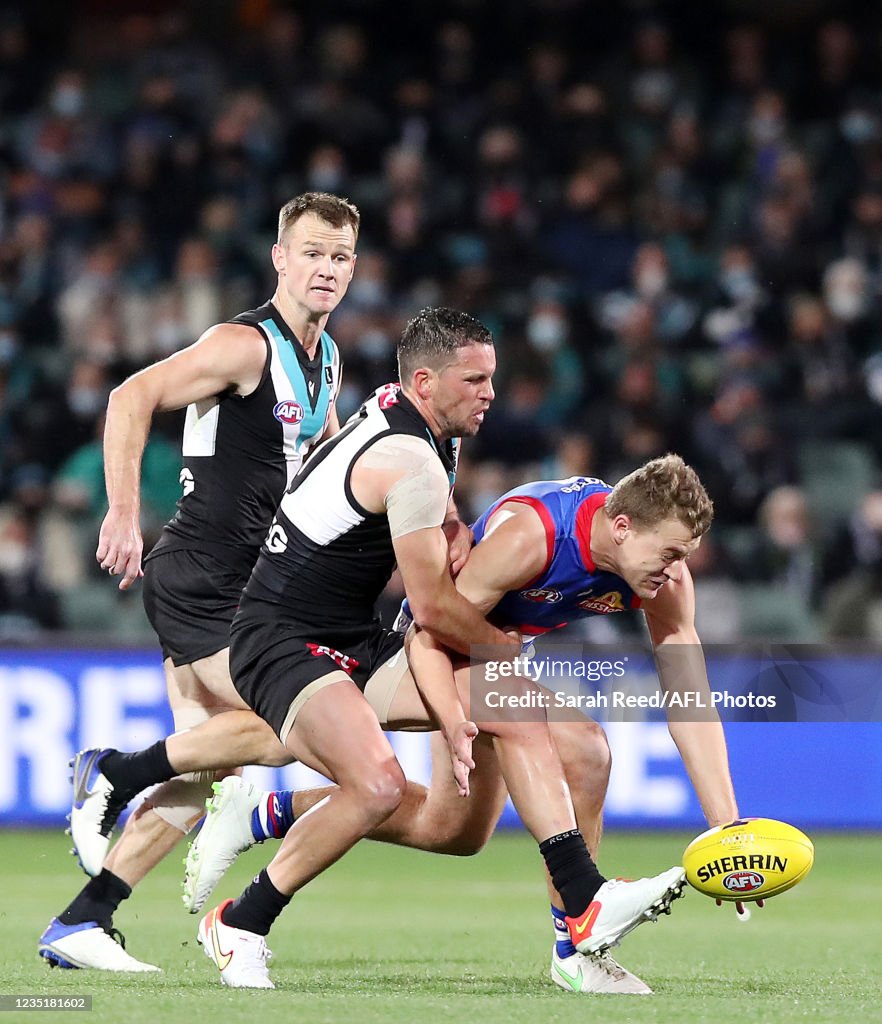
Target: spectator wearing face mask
[[548, 333], [27, 602], [53, 427], [849, 300], [822, 380], [674, 314], [786, 554]]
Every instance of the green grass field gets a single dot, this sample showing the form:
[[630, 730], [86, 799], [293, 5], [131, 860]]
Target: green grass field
[[391, 935]]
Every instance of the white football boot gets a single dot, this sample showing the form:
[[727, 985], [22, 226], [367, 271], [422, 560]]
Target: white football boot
[[225, 833], [87, 945], [595, 974], [240, 956], [620, 905], [94, 810]]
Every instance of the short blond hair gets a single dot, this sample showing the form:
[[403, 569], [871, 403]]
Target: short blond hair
[[333, 210], [660, 489]]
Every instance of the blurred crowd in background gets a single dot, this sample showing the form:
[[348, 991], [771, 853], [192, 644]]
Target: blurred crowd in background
[[670, 220]]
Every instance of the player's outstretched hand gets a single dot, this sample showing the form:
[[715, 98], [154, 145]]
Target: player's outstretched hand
[[459, 543], [120, 546], [740, 907], [459, 743]]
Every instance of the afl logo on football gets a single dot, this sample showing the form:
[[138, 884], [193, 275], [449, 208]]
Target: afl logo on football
[[744, 881], [288, 412], [542, 595]]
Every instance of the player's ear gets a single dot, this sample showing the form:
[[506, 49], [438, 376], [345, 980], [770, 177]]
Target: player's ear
[[621, 527], [280, 258], [424, 382]]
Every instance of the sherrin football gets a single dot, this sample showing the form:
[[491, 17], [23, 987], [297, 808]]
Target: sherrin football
[[748, 859]]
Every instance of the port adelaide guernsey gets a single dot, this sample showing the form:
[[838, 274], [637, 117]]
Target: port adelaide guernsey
[[327, 559], [240, 453]]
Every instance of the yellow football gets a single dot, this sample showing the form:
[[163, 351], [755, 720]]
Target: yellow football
[[748, 859]]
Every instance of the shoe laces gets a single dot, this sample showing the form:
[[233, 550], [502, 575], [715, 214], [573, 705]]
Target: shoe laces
[[609, 966], [114, 933], [114, 804]]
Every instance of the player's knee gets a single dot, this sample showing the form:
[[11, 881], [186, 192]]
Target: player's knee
[[464, 844], [584, 752], [180, 802], [381, 789], [519, 732]]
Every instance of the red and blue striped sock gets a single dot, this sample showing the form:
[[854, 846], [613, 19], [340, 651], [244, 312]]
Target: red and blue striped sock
[[273, 816], [563, 943]]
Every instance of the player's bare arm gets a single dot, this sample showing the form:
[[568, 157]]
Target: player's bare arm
[[433, 674], [681, 666], [228, 357], [408, 484], [459, 538], [437, 605], [512, 552]]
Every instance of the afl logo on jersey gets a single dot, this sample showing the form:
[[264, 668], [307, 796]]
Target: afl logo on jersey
[[542, 595], [288, 412]]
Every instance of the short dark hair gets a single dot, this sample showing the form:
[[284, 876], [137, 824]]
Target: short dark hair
[[334, 210], [433, 337], [663, 488]]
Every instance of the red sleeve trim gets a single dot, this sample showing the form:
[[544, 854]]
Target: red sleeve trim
[[547, 522], [584, 517]]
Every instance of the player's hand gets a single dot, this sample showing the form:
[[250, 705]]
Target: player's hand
[[459, 744], [516, 638], [459, 544], [120, 546], [739, 906]]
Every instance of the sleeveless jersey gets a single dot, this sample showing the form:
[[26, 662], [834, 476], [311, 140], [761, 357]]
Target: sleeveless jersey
[[326, 559], [240, 453], [570, 586]]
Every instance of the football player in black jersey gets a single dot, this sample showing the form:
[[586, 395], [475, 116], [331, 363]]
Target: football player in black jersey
[[260, 393]]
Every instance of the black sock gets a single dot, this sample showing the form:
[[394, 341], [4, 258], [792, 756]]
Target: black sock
[[257, 908], [130, 773], [573, 872], [97, 900]]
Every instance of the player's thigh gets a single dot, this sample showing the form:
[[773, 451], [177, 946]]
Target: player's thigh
[[336, 732], [204, 685], [394, 695]]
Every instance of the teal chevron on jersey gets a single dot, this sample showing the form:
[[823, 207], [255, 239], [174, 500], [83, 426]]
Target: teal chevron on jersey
[[313, 422]]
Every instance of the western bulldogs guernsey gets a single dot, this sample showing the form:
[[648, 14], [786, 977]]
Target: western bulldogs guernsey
[[326, 559], [570, 586], [240, 453]]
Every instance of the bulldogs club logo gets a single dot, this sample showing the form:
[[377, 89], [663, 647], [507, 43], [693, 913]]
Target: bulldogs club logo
[[602, 604], [542, 595], [288, 412]]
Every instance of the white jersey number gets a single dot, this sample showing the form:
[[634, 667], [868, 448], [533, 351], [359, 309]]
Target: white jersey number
[[276, 540]]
